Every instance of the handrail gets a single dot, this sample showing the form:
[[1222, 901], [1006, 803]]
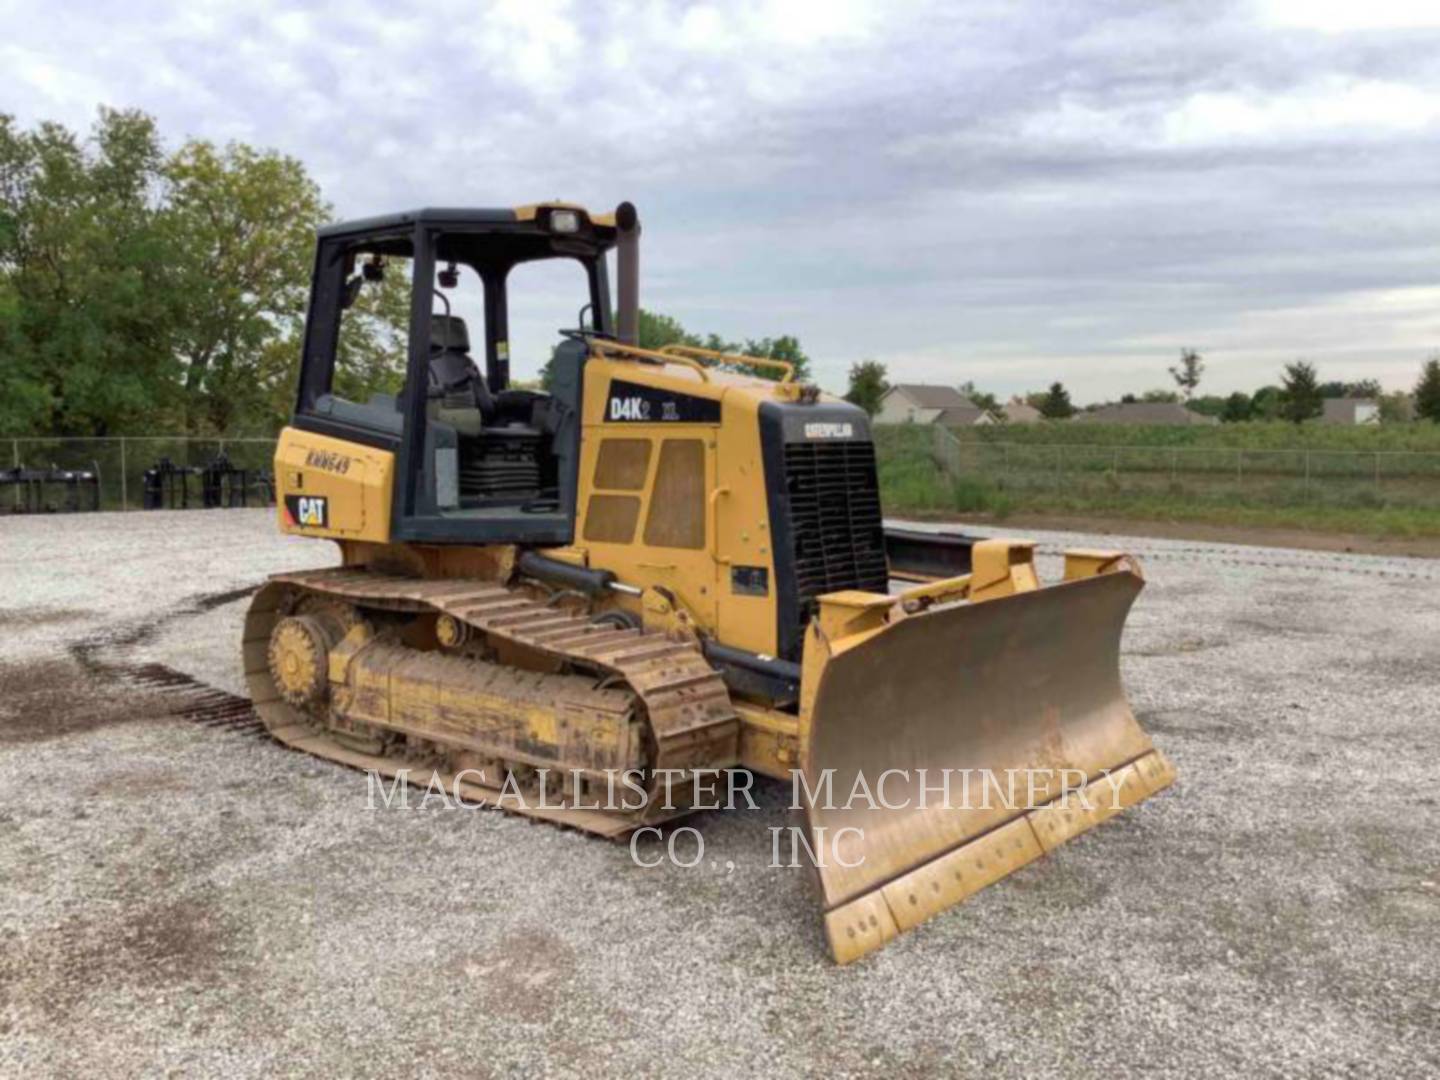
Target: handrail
[[712, 525], [786, 368], [619, 347]]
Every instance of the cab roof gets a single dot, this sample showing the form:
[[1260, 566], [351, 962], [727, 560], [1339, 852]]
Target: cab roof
[[603, 224]]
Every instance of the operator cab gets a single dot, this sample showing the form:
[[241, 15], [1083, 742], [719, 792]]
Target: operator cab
[[407, 348]]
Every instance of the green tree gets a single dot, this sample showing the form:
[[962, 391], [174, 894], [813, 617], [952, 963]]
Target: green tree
[[88, 304], [654, 331], [1056, 405], [1162, 396], [374, 338], [867, 385], [1300, 392], [547, 372], [982, 399], [1187, 373], [25, 399], [1365, 388], [1265, 403], [1396, 408], [1427, 391], [657, 331], [140, 291], [1238, 408], [1210, 404], [244, 223], [990, 403], [785, 348]]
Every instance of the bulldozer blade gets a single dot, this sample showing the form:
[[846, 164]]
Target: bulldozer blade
[[951, 747]]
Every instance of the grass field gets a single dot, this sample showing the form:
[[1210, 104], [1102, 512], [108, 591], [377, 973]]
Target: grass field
[[1383, 482], [1260, 435]]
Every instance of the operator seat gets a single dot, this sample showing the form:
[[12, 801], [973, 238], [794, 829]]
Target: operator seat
[[458, 394]]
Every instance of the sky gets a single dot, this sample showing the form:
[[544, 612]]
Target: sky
[[1007, 193]]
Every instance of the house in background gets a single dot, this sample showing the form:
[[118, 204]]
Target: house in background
[[1018, 411], [1351, 411], [963, 416], [1144, 412], [918, 403]]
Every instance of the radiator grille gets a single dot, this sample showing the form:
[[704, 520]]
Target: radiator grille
[[835, 520]]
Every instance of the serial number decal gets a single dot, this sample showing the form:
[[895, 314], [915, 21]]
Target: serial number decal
[[308, 511], [329, 461], [829, 431]]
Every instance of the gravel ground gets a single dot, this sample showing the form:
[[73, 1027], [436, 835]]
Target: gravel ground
[[175, 898]]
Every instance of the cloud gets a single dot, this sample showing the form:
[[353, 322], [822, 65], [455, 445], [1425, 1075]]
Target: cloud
[[1359, 110], [988, 191], [1339, 16]]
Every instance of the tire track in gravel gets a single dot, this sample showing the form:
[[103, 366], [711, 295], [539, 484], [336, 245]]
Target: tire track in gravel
[[106, 655]]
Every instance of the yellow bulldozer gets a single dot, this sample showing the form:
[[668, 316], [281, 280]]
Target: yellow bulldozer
[[587, 603]]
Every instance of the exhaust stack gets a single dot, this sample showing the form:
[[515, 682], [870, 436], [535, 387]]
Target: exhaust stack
[[627, 271]]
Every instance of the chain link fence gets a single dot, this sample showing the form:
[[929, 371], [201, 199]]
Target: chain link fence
[[120, 466], [1235, 476], [1229, 475]]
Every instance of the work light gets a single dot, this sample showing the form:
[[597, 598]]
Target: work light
[[564, 221]]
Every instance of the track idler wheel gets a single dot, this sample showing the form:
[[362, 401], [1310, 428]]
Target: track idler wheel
[[298, 657]]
